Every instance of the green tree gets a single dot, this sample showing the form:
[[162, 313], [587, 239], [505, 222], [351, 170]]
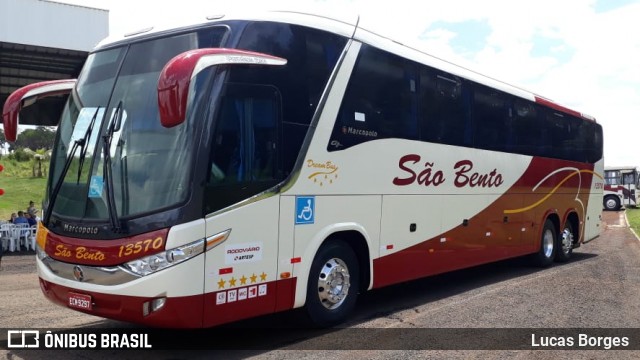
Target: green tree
[[38, 138]]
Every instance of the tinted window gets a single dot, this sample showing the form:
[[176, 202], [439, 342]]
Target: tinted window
[[380, 101], [527, 135], [491, 119], [311, 57], [385, 99], [445, 115], [593, 141], [264, 113], [244, 154]]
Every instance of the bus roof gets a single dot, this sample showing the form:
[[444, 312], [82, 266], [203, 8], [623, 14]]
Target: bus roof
[[348, 24], [620, 168]]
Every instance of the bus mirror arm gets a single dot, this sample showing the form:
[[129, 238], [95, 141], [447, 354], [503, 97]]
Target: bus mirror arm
[[175, 78], [27, 95]]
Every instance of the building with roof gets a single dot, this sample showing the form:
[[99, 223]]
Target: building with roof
[[45, 40]]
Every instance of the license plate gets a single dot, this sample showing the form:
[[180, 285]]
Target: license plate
[[80, 301]]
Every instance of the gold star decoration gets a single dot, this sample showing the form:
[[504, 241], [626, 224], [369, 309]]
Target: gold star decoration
[[253, 278], [221, 284], [263, 276], [232, 282], [243, 280]]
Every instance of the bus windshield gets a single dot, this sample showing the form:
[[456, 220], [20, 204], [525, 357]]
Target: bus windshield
[[115, 103]]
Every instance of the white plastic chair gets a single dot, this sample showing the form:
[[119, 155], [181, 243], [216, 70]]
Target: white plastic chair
[[31, 238], [9, 233], [5, 235], [22, 233]]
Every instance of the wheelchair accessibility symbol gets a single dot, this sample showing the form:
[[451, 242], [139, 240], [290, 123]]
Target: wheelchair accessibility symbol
[[305, 209]]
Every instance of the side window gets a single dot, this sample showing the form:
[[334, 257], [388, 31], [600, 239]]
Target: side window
[[444, 113], [611, 178], [597, 144], [492, 123], [379, 102], [311, 57], [245, 140], [245, 151], [561, 127], [592, 133], [527, 136]]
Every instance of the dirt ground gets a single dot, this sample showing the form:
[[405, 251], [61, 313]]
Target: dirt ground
[[21, 301]]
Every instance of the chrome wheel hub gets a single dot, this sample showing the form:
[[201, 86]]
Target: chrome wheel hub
[[333, 283], [567, 241], [547, 243]]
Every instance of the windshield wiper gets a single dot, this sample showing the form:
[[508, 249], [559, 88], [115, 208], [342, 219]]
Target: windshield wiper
[[84, 143], [56, 189], [106, 169]]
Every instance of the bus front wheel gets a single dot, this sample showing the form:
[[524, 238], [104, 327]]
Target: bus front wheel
[[547, 251], [611, 203], [333, 284]]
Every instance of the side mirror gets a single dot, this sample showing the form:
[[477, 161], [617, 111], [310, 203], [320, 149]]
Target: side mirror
[[28, 95], [176, 76]]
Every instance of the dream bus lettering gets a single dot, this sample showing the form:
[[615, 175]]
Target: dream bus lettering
[[326, 165]]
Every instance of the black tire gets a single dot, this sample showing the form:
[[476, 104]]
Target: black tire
[[333, 284], [564, 246], [547, 251], [611, 203]]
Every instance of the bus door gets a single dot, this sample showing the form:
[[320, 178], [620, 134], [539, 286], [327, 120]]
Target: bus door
[[629, 183], [243, 167]]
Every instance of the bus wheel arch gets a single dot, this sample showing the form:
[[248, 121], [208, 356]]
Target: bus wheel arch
[[338, 273]]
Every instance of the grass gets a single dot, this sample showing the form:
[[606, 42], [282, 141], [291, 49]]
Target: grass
[[633, 215], [19, 187]]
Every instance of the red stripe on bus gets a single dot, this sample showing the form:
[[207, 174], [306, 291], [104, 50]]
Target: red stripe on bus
[[296, 260], [223, 271], [105, 252], [193, 311], [555, 106], [177, 312]]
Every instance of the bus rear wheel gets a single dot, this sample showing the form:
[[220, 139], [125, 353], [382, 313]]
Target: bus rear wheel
[[547, 251], [333, 284], [565, 243]]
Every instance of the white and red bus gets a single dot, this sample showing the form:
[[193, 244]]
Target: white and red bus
[[245, 165], [621, 187]]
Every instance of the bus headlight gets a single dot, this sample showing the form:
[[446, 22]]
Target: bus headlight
[[40, 253], [152, 263]]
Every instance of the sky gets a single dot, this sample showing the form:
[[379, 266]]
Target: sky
[[583, 54]]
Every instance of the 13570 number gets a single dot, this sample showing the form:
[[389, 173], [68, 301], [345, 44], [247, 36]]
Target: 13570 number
[[140, 246]]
